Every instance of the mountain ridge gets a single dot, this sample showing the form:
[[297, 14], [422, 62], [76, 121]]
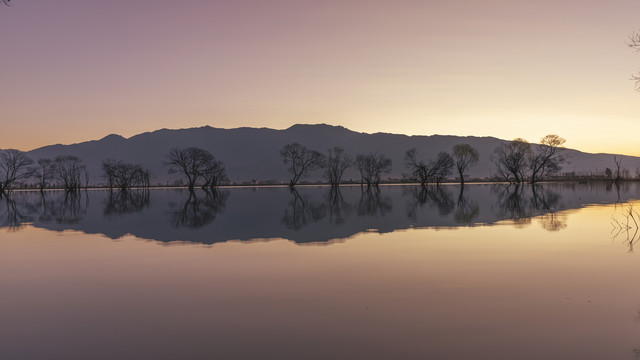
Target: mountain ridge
[[253, 153]]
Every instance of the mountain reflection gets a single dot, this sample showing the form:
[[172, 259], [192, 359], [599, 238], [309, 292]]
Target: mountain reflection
[[303, 215]]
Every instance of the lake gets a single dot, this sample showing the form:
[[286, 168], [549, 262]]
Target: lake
[[487, 271]]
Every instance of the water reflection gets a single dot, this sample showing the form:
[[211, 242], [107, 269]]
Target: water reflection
[[434, 196], [123, 202], [307, 214], [339, 209], [196, 211], [302, 211], [372, 203], [11, 217], [466, 210]]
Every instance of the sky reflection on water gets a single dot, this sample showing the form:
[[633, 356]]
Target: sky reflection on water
[[450, 291]]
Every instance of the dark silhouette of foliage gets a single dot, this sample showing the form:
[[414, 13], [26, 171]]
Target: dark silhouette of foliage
[[44, 172], [443, 167], [123, 175], [69, 171], [14, 166], [464, 156], [371, 167], [337, 163], [511, 160], [192, 162], [214, 174], [431, 171], [617, 160], [301, 161], [547, 158], [418, 169]]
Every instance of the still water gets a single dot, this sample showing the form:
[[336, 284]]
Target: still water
[[484, 272]]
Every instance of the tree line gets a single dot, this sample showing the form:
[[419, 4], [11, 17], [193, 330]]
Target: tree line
[[70, 173], [516, 161]]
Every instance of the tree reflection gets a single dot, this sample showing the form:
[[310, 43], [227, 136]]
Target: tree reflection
[[339, 209], [197, 212], [12, 218], [430, 195], [553, 221], [372, 203], [123, 202], [514, 202], [626, 227], [302, 211], [466, 210]]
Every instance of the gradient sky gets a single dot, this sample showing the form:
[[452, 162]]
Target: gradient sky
[[75, 70]]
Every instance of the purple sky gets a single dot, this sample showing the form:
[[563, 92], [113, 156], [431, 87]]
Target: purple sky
[[79, 70]]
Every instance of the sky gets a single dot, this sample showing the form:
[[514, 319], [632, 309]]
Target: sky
[[78, 70]]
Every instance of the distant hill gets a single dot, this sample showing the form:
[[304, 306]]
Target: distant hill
[[253, 153]]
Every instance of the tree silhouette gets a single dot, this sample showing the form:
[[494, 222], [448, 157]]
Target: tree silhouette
[[69, 170], [442, 167], [464, 156], [192, 162], [371, 168], [430, 171], [14, 166], [547, 158], [337, 163], [44, 172], [617, 159], [301, 161], [123, 175], [511, 159], [214, 173]]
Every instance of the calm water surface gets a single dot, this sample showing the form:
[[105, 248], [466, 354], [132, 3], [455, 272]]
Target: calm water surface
[[490, 272]]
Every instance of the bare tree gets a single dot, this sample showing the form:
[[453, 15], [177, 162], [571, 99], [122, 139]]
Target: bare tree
[[301, 161], [430, 171], [418, 169], [44, 172], [14, 166], [6, 2], [192, 162], [511, 159], [124, 175], [442, 167], [214, 174], [371, 167], [617, 159], [634, 43], [547, 158], [69, 170], [465, 156], [337, 163]]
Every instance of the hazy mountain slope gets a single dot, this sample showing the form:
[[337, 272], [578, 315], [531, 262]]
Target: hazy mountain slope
[[253, 153]]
